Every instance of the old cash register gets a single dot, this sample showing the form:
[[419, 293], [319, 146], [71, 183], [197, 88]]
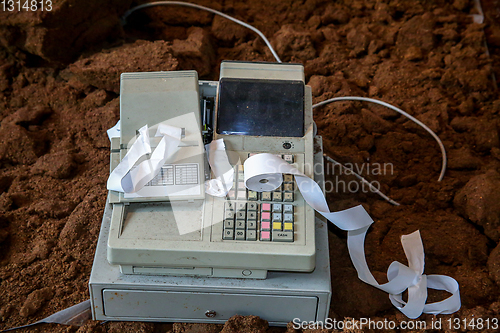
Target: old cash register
[[171, 252]]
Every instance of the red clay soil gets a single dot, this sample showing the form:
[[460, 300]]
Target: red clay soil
[[59, 84]]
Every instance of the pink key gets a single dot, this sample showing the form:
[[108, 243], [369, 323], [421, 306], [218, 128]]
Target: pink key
[[266, 216], [265, 235], [266, 207], [265, 225]]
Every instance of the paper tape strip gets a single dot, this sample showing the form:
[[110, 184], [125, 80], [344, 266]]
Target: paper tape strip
[[263, 172], [221, 168], [114, 132], [129, 178]]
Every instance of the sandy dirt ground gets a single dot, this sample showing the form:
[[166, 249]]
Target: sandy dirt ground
[[59, 85]]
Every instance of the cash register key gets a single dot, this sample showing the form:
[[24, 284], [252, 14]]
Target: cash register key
[[266, 196], [241, 175], [277, 196], [228, 224], [229, 215], [241, 215], [251, 235], [265, 235], [229, 205], [251, 216], [239, 234], [287, 217], [277, 208], [288, 158], [241, 205], [288, 208], [288, 178], [288, 197], [253, 196], [277, 226], [266, 207], [240, 225], [232, 194], [288, 226], [265, 226], [252, 206], [288, 187], [228, 234], [251, 225], [265, 216], [282, 236], [276, 217], [242, 194]]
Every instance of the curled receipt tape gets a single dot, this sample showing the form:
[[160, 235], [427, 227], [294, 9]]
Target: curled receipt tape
[[263, 172], [221, 168], [127, 177]]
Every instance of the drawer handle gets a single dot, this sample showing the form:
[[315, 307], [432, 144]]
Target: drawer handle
[[210, 313]]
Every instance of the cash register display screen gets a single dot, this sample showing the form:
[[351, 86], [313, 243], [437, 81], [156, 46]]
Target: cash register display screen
[[261, 107]]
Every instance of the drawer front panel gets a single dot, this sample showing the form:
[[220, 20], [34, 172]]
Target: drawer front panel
[[192, 305]]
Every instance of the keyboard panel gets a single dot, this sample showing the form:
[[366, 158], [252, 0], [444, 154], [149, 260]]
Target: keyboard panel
[[264, 216]]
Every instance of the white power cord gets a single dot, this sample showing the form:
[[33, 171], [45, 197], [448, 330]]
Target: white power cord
[[398, 110], [213, 11], [363, 180]]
